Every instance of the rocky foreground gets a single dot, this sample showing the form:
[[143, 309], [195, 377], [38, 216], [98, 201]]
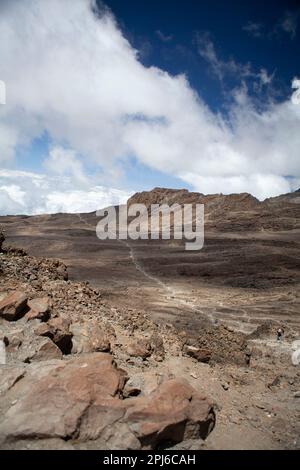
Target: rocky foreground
[[78, 373], [60, 381]]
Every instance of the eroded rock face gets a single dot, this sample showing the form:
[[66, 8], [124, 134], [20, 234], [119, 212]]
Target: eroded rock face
[[12, 306]]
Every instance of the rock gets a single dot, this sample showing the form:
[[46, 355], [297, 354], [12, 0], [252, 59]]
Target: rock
[[9, 375], [40, 309], [60, 333], [78, 400], [43, 329], [225, 385], [172, 413], [142, 383], [54, 404], [157, 346], [297, 394], [12, 306], [296, 357], [13, 338], [2, 239], [133, 386], [46, 350], [139, 348], [201, 355], [88, 337], [2, 352], [191, 444], [62, 272]]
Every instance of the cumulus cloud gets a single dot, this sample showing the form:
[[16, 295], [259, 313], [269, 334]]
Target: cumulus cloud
[[32, 193], [70, 71]]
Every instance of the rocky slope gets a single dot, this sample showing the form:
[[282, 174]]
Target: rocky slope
[[157, 320], [234, 212], [59, 378]]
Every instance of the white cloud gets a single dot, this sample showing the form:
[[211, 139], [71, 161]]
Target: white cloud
[[254, 29], [163, 37], [63, 161], [31, 193], [222, 68], [289, 23], [73, 74]]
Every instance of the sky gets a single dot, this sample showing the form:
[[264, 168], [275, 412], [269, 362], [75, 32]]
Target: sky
[[100, 100]]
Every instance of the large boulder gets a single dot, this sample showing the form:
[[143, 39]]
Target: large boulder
[[13, 305], [173, 413], [54, 404], [80, 400]]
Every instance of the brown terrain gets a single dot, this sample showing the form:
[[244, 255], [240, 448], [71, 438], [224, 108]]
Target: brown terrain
[[141, 344]]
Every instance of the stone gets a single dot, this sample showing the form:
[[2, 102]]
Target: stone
[[89, 336], [201, 355], [79, 400], [142, 383], [9, 376], [43, 329], [139, 348], [59, 331], [13, 305], [54, 404], [173, 413], [157, 346], [2, 352], [40, 309], [46, 350]]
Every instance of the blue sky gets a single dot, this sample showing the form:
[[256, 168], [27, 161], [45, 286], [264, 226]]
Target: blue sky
[[176, 93], [165, 33]]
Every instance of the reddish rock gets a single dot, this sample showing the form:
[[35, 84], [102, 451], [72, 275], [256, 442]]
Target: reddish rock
[[46, 350], [202, 355], [139, 348], [173, 413], [79, 399], [12, 306], [60, 333], [54, 405], [40, 309], [43, 329]]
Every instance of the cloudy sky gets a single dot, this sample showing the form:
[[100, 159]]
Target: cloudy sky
[[104, 99]]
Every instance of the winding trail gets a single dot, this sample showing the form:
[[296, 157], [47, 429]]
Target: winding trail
[[168, 290]]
